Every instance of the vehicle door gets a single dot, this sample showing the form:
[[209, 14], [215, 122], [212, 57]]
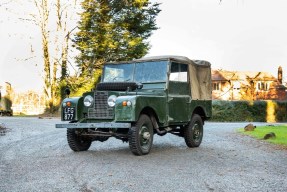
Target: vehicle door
[[178, 93]]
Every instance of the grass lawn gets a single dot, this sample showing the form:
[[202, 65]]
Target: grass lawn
[[261, 131]]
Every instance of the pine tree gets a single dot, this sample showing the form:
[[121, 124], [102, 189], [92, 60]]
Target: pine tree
[[113, 30]]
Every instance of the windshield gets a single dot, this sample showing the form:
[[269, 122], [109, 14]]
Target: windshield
[[144, 72]]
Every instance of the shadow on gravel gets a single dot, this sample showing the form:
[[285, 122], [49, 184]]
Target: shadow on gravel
[[124, 150]]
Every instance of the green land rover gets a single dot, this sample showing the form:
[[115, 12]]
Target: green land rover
[[137, 99]]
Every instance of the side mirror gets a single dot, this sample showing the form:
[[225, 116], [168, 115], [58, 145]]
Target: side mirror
[[67, 92]]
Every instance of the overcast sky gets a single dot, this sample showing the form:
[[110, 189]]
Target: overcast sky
[[245, 35]]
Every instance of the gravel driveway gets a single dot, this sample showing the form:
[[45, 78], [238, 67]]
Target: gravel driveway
[[34, 156]]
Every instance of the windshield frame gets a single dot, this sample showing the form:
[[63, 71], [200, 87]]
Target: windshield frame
[[141, 72]]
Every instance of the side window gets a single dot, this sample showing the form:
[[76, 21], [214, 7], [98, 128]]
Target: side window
[[178, 72], [216, 86], [262, 86]]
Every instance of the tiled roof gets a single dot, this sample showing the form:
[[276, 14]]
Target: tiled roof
[[223, 75]]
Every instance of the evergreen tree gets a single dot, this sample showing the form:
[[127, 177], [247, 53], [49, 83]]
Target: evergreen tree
[[113, 30]]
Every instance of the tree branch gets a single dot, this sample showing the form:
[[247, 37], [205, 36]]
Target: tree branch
[[5, 3]]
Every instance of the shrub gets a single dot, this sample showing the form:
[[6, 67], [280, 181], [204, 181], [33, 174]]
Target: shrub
[[248, 111]]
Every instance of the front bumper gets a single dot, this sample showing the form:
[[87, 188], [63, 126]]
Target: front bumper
[[93, 125]]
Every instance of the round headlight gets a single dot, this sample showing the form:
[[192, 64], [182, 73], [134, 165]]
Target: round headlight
[[112, 100], [88, 100], [129, 103]]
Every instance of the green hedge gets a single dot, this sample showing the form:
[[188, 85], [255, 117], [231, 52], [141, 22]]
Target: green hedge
[[249, 111]]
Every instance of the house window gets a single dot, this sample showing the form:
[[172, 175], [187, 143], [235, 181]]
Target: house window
[[262, 86], [216, 86]]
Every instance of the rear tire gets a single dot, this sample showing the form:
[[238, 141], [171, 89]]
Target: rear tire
[[193, 132], [141, 136], [76, 142]]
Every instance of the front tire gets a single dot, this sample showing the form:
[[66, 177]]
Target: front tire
[[76, 142], [141, 136], [193, 132]]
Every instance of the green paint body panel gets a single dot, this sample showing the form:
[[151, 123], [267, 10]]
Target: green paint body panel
[[140, 103]]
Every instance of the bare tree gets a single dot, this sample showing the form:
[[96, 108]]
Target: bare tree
[[49, 14], [41, 19], [64, 34]]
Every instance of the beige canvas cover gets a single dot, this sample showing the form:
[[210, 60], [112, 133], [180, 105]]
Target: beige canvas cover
[[200, 80]]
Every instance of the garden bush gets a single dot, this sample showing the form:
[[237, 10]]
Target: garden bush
[[249, 111]]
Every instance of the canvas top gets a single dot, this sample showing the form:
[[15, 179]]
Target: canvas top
[[181, 59]]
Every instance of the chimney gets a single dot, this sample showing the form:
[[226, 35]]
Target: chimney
[[280, 74]]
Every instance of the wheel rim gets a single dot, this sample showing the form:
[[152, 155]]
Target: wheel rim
[[196, 132], [145, 137]]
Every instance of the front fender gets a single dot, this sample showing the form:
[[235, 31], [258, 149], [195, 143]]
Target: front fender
[[125, 112], [76, 103], [138, 104]]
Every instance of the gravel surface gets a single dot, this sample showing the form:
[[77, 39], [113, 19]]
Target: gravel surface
[[34, 156]]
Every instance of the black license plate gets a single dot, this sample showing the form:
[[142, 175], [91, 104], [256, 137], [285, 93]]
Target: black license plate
[[68, 113]]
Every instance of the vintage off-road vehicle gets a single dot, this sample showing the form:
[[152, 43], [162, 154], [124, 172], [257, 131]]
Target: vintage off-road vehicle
[[135, 99]]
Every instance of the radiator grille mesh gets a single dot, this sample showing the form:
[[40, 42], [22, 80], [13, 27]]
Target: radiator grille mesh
[[101, 109]]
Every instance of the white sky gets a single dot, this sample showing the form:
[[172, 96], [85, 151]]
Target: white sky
[[245, 35]]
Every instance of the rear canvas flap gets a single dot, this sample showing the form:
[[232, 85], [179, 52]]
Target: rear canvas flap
[[200, 80]]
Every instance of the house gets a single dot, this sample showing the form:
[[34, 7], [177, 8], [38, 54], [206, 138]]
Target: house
[[237, 85]]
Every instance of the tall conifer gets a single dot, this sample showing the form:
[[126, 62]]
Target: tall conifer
[[113, 30]]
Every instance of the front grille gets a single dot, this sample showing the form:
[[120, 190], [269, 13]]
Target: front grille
[[101, 109]]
